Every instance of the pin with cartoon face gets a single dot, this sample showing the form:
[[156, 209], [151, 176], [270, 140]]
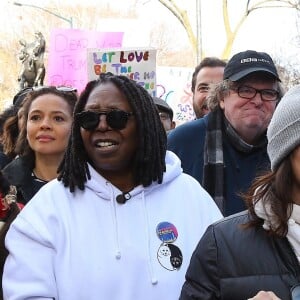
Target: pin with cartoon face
[[168, 255]]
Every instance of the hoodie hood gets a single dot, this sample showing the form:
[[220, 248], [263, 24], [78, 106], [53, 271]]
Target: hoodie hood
[[102, 187]]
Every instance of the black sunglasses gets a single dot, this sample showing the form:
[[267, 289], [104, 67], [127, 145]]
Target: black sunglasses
[[116, 119]]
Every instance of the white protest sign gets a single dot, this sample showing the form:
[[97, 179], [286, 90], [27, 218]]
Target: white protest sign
[[137, 64]]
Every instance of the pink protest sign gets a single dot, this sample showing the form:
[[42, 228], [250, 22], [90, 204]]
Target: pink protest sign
[[67, 62]]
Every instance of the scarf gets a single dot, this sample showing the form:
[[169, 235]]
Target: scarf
[[240, 144], [213, 168], [264, 211]]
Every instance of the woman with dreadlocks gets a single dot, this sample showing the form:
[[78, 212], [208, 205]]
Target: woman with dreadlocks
[[121, 220]]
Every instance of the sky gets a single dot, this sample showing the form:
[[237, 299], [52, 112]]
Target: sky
[[269, 30]]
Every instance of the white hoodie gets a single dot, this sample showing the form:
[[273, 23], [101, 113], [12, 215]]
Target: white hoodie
[[86, 246]]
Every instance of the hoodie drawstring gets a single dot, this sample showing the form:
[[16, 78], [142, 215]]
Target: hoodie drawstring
[[146, 226], [150, 266], [115, 223]]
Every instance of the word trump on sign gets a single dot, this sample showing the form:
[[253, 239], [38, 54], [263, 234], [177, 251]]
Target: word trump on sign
[[138, 65], [67, 64]]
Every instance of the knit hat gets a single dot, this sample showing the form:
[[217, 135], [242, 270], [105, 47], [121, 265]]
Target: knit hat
[[284, 129], [247, 62]]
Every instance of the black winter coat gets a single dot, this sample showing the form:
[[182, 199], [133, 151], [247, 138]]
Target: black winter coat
[[234, 263], [19, 173], [4, 160]]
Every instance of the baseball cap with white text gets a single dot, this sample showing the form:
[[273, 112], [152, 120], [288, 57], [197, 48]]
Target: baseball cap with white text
[[247, 62]]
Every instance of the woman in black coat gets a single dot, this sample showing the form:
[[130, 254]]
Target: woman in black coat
[[9, 208], [259, 249]]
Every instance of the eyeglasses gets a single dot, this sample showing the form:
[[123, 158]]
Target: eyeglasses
[[164, 116], [248, 92], [116, 119]]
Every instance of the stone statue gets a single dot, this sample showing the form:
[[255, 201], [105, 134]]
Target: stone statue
[[31, 55]]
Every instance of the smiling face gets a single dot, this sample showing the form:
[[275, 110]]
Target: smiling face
[[49, 125], [205, 77], [250, 117], [110, 150]]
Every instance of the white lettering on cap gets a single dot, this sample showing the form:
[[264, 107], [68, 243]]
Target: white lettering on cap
[[253, 59]]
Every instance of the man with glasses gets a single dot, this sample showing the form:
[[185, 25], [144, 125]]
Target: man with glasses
[[226, 149], [165, 114]]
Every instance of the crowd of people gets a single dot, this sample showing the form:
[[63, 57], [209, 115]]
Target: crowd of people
[[103, 197]]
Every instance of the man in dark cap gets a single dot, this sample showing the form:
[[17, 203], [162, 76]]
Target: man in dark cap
[[226, 149], [165, 113]]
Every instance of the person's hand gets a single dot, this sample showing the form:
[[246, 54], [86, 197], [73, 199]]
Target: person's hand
[[262, 295]]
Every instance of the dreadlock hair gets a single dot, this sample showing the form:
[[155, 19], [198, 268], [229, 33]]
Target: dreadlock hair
[[22, 146], [149, 160]]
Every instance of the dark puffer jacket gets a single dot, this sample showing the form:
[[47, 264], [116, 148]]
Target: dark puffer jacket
[[234, 263]]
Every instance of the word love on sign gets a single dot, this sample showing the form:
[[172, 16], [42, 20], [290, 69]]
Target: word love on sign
[[138, 65], [131, 56]]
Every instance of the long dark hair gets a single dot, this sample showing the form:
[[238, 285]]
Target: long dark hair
[[274, 188], [22, 146], [149, 160], [10, 136]]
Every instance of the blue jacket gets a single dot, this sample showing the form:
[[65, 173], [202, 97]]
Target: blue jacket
[[187, 141]]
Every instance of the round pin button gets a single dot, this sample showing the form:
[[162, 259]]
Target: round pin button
[[166, 232]]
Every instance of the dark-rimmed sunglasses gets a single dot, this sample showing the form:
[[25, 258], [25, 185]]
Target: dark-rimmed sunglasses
[[116, 119]]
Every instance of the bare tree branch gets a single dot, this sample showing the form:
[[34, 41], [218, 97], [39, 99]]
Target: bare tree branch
[[230, 32], [183, 18]]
